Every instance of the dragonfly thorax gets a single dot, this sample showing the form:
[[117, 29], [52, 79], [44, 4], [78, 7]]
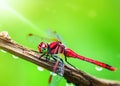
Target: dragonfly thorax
[[42, 47]]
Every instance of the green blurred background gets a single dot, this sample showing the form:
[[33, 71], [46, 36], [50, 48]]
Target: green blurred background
[[89, 27]]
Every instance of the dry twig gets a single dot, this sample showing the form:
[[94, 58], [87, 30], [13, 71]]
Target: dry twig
[[77, 77]]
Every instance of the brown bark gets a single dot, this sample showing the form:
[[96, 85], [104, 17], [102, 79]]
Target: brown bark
[[75, 76]]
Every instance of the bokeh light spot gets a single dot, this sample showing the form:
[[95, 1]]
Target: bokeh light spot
[[69, 84], [54, 74], [98, 68], [3, 51], [40, 68], [15, 57]]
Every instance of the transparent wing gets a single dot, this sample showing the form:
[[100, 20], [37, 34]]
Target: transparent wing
[[53, 34], [59, 70], [56, 36], [34, 40], [55, 80]]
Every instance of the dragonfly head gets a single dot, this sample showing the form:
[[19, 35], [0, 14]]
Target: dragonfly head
[[42, 47]]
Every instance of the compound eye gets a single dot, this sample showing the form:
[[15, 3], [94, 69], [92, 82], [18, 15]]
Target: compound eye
[[42, 47]]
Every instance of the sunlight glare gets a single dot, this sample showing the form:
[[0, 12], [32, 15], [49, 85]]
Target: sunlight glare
[[6, 7], [3, 3]]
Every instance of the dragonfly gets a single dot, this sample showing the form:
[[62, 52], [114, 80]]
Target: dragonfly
[[57, 47]]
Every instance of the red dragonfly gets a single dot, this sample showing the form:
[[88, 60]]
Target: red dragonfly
[[57, 47]]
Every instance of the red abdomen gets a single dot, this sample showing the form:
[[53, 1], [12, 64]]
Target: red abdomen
[[70, 53]]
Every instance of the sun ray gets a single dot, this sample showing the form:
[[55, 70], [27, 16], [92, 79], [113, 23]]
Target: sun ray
[[5, 6]]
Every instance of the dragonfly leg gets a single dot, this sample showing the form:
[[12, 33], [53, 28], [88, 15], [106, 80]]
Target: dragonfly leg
[[56, 57], [47, 57], [41, 56], [69, 63], [59, 63]]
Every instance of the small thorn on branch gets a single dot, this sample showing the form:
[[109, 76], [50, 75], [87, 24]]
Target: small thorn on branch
[[78, 77]]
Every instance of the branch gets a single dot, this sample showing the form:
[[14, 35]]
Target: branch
[[75, 76]]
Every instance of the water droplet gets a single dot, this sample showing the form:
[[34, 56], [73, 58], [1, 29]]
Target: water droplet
[[40, 68], [54, 74], [15, 57], [66, 84], [3, 51], [69, 84], [98, 68]]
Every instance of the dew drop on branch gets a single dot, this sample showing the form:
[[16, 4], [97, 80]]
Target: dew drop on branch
[[40, 68], [15, 57], [3, 51]]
